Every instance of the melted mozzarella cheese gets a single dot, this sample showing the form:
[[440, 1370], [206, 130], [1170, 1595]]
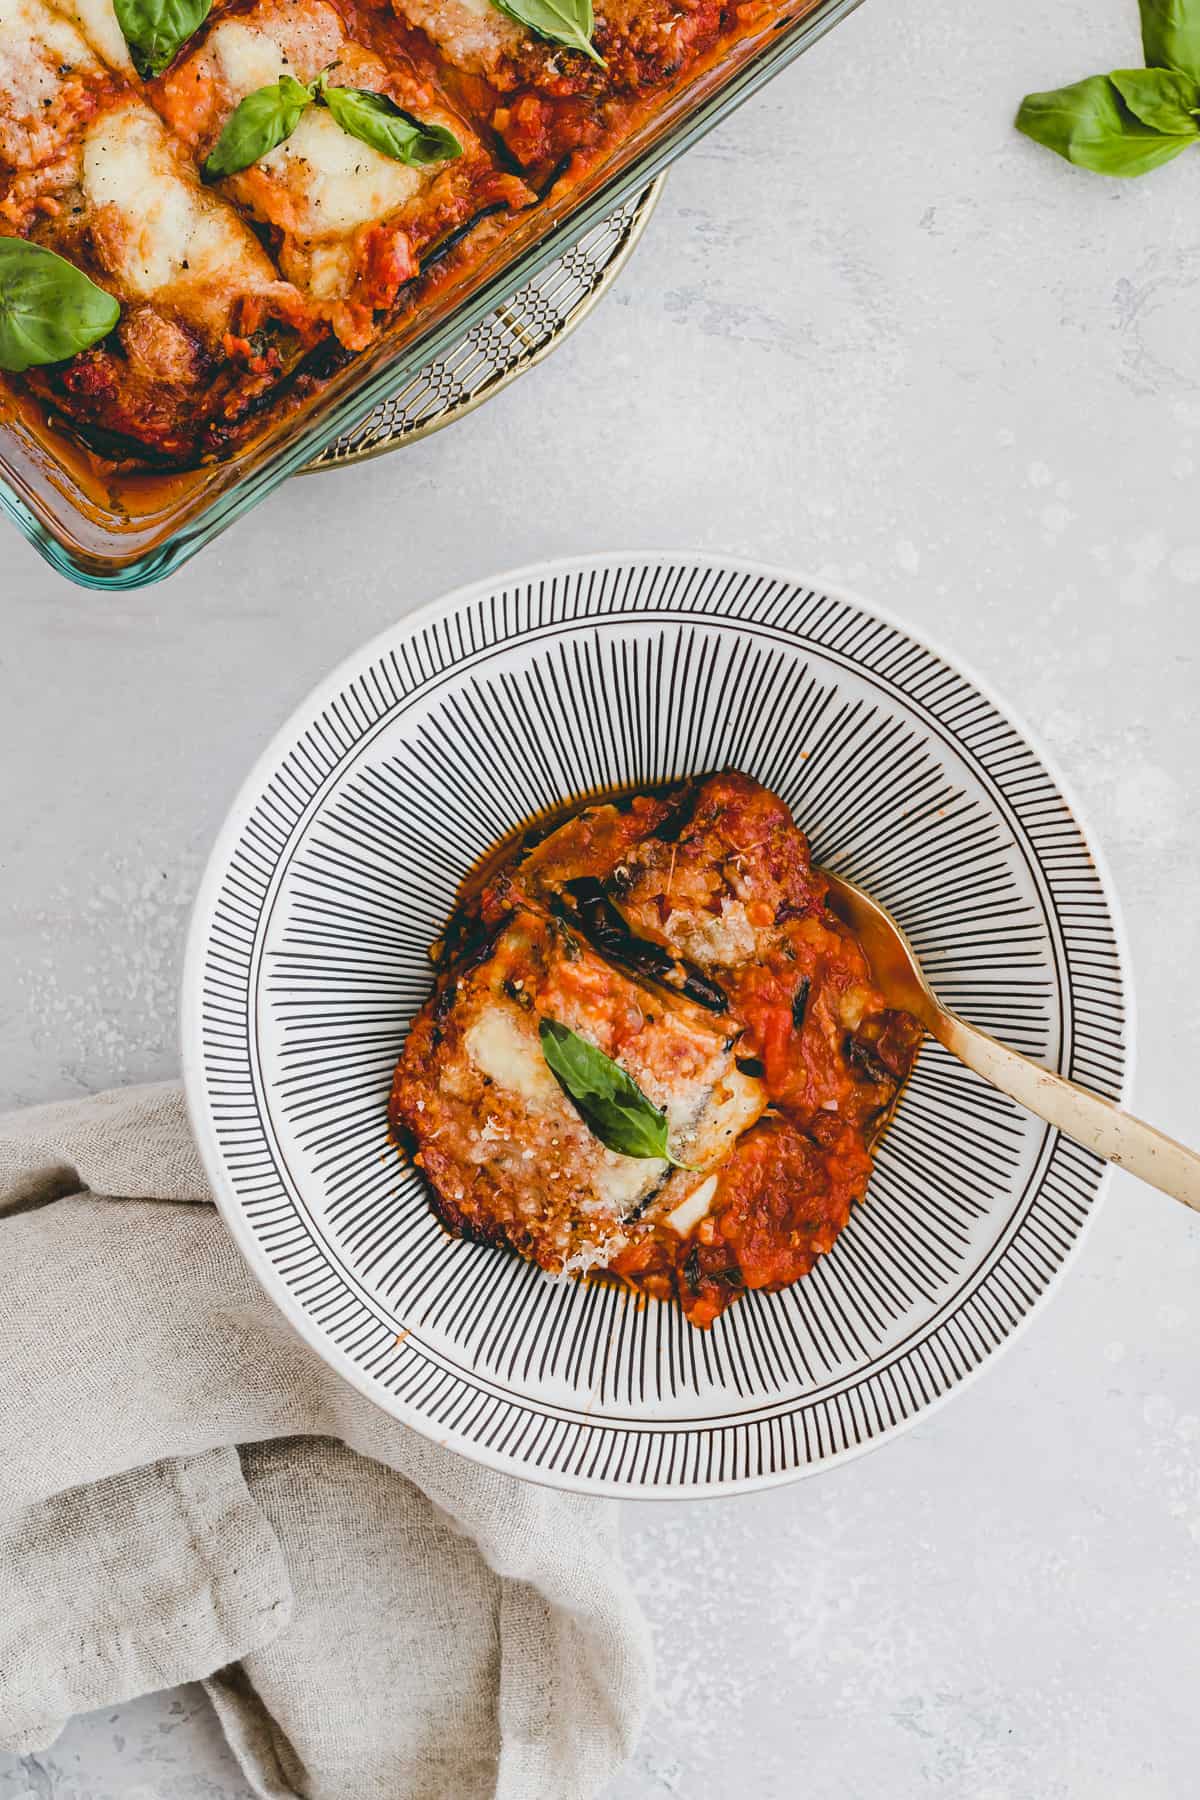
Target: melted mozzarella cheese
[[169, 231], [511, 1057], [39, 50], [299, 39], [41, 55], [736, 1102], [322, 184], [621, 1181], [337, 181], [29, 25], [728, 939], [246, 58], [688, 1214], [474, 34], [326, 269], [98, 23]]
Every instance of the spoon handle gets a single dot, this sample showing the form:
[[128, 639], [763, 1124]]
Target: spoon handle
[[1097, 1124]]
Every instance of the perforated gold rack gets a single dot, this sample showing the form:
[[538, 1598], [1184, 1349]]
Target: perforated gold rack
[[515, 338]]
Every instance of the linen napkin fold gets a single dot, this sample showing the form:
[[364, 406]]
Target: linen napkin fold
[[187, 1492]]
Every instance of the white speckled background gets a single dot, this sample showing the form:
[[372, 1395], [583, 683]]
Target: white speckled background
[[875, 335]]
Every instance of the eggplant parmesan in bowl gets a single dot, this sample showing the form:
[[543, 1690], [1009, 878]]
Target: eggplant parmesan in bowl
[[653, 1062], [652, 1050]]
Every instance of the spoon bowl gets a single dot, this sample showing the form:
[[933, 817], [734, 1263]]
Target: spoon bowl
[[894, 962], [1095, 1123]]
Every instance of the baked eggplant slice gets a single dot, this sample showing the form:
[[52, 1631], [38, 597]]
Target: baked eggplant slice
[[348, 222], [510, 1158], [552, 99], [51, 84], [687, 937], [208, 330]]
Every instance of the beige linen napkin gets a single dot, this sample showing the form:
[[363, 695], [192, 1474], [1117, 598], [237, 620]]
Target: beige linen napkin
[[186, 1491]]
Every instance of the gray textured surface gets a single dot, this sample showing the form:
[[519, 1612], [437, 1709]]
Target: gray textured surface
[[874, 335]]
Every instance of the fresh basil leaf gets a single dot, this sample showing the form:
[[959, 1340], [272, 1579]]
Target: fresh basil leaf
[[610, 1102], [257, 125], [378, 121], [568, 22], [1165, 99], [155, 29], [49, 310], [1090, 125], [1171, 35]]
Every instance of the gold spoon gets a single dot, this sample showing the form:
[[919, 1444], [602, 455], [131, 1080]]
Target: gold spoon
[[1097, 1124]]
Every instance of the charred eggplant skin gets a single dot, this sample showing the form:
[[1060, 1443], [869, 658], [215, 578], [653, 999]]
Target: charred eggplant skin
[[588, 906], [683, 810], [800, 1001]]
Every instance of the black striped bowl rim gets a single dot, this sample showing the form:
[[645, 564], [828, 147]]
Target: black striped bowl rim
[[339, 861]]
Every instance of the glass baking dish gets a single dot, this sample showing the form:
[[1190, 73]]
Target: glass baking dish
[[117, 530]]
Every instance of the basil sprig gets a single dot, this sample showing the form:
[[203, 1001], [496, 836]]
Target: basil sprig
[[378, 121], [1165, 99], [569, 22], [1132, 120], [610, 1102], [155, 29], [49, 310], [264, 119], [257, 125], [1091, 125], [1171, 35]]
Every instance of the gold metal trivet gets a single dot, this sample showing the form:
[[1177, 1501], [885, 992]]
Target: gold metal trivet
[[504, 345]]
